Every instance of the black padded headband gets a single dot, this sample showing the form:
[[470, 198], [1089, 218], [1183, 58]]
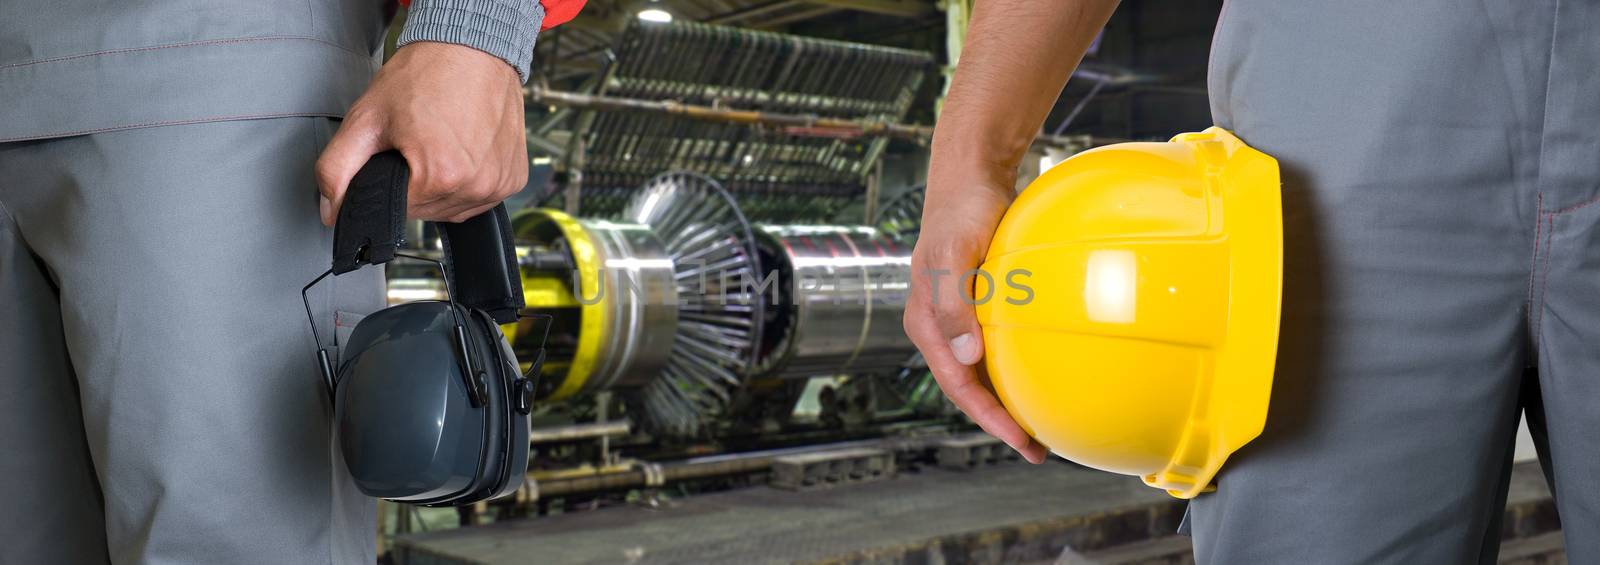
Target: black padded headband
[[371, 228]]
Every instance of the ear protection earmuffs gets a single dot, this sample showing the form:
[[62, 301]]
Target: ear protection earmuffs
[[429, 403]]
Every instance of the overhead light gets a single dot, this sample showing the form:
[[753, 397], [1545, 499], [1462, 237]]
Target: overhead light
[[655, 15]]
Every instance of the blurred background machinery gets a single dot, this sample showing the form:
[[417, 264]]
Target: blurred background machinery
[[720, 219], [678, 146], [779, 171], [701, 320]]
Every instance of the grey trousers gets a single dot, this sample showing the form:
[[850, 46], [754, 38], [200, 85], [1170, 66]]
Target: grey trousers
[[1441, 169], [160, 401]]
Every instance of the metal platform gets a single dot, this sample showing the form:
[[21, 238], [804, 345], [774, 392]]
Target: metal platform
[[1010, 513]]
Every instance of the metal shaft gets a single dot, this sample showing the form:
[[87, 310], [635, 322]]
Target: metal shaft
[[802, 125]]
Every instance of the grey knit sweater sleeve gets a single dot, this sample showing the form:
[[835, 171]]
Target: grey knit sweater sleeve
[[504, 28]]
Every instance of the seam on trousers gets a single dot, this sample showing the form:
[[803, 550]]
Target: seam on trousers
[[207, 42], [334, 502], [171, 123], [14, 227], [1576, 207], [1543, 271], [1544, 277], [11, 221], [1533, 262], [1544, 127]]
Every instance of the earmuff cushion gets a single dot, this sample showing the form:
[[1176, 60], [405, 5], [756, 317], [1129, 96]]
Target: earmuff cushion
[[516, 463], [505, 450], [497, 409]]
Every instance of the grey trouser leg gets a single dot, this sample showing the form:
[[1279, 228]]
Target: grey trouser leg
[[161, 403], [1438, 162], [1566, 282]]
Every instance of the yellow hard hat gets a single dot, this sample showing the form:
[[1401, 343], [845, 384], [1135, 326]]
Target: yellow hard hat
[[1132, 317]]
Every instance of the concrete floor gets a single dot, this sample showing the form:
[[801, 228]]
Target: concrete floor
[[1010, 513], [1030, 512]]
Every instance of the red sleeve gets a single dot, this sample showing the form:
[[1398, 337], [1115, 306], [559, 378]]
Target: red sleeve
[[556, 12]]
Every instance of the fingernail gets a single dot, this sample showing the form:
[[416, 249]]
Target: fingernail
[[965, 348], [327, 210]]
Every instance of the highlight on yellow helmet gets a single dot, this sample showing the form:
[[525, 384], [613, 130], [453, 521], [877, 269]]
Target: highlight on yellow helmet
[[1146, 341]]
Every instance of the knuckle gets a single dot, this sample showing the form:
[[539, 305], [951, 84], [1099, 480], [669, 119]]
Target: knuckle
[[968, 394], [424, 188], [482, 192], [363, 113], [447, 174], [946, 310], [326, 178], [912, 321], [519, 174]]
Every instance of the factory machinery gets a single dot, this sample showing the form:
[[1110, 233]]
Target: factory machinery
[[728, 315], [682, 329], [793, 127], [707, 322], [691, 347], [708, 332]]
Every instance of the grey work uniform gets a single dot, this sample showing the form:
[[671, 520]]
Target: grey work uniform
[[1441, 170], [159, 402]]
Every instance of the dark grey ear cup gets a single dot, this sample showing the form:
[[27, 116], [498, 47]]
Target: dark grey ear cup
[[407, 427], [429, 404]]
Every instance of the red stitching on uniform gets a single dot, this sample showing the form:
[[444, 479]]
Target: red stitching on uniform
[[1538, 329], [177, 45], [1543, 271], [1577, 206], [172, 123], [1533, 262]]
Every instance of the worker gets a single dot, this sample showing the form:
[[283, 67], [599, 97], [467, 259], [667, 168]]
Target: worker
[[1440, 168], [162, 177]]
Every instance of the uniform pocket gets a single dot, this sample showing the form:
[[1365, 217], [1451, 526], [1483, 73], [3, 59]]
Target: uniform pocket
[[344, 322]]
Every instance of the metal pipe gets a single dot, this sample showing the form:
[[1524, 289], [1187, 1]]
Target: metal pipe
[[579, 432], [698, 468], [804, 125]]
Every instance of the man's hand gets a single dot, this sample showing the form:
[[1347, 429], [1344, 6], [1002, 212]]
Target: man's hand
[[1019, 54], [938, 317], [455, 113]]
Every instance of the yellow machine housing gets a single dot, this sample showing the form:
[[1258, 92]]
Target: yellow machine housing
[[614, 309], [1147, 345]]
